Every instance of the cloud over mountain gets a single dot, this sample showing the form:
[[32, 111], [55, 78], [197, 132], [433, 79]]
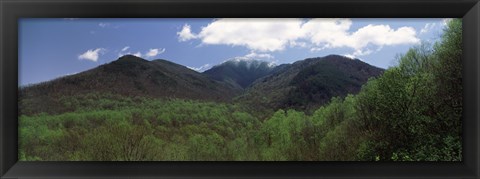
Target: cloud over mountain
[[91, 54], [154, 52], [269, 35]]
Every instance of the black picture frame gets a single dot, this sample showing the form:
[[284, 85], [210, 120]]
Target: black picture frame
[[12, 10]]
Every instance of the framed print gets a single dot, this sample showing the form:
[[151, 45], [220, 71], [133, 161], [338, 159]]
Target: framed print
[[161, 89]]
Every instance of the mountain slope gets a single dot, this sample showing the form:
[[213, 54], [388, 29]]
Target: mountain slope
[[303, 85], [127, 76], [310, 83], [239, 73]]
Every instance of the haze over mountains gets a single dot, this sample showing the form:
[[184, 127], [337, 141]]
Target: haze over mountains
[[240, 73], [302, 85]]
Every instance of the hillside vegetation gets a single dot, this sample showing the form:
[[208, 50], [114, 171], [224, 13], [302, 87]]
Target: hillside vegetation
[[128, 76], [410, 112], [307, 84]]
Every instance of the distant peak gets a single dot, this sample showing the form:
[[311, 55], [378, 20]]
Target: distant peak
[[239, 59], [130, 57], [343, 56], [249, 62], [333, 57]]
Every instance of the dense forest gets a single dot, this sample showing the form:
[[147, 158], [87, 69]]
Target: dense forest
[[411, 112]]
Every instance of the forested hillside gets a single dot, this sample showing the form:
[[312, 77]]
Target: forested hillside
[[129, 76], [410, 112], [308, 84]]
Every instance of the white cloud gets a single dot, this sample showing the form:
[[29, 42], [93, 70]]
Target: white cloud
[[69, 74], [150, 53], [298, 44], [254, 55], [362, 52], [427, 27], [138, 54], [333, 33], [201, 68], [265, 57], [92, 54], [358, 53], [186, 34], [327, 33], [125, 48], [103, 25], [350, 56], [379, 35], [316, 49], [154, 52], [268, 35], [255, 34]]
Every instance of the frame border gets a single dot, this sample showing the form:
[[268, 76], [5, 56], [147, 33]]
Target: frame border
[[12, 10]]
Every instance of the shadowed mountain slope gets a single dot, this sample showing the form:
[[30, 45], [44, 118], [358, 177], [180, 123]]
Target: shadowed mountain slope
[[309, 83]]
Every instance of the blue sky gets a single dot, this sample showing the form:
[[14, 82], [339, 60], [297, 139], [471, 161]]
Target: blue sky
[[51, 48]]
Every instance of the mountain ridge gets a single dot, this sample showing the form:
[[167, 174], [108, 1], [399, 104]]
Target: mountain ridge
[[239, 73], [128, 76], [282, 86], [313, 80]]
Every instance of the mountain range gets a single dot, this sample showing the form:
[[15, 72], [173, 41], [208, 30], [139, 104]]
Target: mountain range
[[303, 85]]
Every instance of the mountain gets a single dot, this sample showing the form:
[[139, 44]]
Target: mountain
[[240, 73], [303, 85], [127, 76], [310, 83]]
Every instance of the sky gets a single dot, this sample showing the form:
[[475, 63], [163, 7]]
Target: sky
[[53, 47]]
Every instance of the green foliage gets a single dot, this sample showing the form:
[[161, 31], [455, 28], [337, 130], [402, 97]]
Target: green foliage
[[413, 111], [149, 130]]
